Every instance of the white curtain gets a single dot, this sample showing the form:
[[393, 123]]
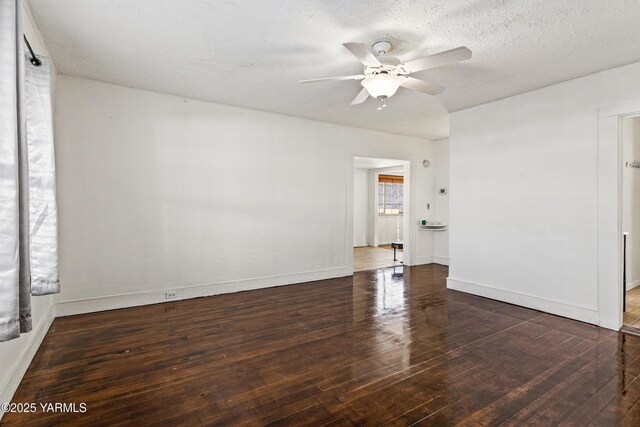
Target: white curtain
[[28, 230], [43, 224]]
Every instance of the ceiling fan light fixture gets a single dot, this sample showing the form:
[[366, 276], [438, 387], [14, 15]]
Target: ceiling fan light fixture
[[382, 85], [383, 75]]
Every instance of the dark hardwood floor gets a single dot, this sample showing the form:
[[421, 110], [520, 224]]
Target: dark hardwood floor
[[632, 314], [369, 350]]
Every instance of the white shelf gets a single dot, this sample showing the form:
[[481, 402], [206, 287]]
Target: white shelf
[[432, 227]]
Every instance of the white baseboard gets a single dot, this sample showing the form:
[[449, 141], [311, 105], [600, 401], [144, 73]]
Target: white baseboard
[[633, 284], [441, 260], [22, 362], [420, 260], [111, 302], [582, 314]]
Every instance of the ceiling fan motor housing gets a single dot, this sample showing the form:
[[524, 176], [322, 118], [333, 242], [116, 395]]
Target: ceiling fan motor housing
[[382, 47], [383, 74]]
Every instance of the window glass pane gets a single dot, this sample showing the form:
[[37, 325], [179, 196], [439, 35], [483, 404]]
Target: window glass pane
[[393, 198], [392, 194], [390, 198]]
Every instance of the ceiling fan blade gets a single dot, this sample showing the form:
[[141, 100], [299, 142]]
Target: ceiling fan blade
[[438, 60], [363, 53], [422, 86], [360, 97], [327, 79]]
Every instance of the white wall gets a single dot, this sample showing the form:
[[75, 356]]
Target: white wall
[[360, 207], [159, 192], [441, 205], [390, 229], [15, 355], [524, 175], [631, 198]]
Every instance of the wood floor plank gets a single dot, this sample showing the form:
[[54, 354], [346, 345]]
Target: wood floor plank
[[632, 313], [373, 349], [370, 258]]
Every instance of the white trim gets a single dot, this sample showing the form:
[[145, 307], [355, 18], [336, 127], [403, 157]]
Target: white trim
[[431, 260], [559, 308], [421, 260], [621, 109], [633, 284], [134, 299], [409, 233], [22, 362], [610, 210], [441, 260]]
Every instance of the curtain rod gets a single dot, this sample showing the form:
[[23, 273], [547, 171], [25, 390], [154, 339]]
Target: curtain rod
[[34, 59]]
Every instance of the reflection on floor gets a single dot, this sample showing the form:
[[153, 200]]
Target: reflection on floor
[[632, 315], [370, 258], [365, 350]]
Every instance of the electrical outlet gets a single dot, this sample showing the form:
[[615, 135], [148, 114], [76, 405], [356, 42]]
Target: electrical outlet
[[170, 295]]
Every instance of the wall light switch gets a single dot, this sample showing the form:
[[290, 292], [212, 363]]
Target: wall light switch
[[443, 191]]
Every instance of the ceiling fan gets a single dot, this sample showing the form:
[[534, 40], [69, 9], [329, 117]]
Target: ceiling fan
[[383, 74]]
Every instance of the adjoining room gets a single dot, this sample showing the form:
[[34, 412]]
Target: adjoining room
[[378, 213]]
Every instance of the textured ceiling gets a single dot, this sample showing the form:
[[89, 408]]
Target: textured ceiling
[[252, 52]]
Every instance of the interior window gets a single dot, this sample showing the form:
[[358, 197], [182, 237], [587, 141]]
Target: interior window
[[390, 194]]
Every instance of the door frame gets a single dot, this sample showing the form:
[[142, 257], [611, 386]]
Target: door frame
[[610, 259], [409, 233]]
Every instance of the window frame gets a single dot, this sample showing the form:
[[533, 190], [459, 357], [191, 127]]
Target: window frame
[[382, 198]]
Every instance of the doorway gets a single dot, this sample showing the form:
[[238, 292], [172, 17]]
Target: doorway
[[630, 219], [379, 199]]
